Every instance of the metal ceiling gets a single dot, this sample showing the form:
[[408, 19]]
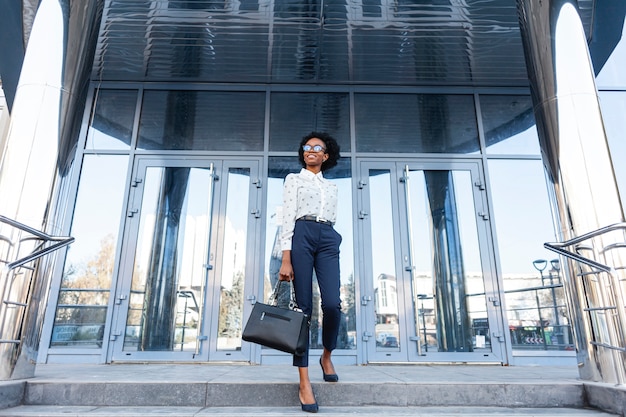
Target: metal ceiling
[[376, 42]]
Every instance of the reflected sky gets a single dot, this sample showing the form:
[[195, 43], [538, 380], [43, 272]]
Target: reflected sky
[[612, 73], [99, 204]]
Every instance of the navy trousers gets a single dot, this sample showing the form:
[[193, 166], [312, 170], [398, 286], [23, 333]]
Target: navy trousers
[[315, 246]]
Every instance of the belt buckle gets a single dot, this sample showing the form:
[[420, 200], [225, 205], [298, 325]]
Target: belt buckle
[[319, 219]]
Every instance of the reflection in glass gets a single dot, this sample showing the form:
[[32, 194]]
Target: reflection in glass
[[202, 120], [536, 310], [341, 175], [234, 260], [85, 287], [112, 124], [448, 284], [509, 125], [387, 331], [172, 245], [294, 115], [534, 295], [416, 123]]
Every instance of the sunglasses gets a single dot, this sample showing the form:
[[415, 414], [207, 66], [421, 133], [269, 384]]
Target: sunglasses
[[314, 148]]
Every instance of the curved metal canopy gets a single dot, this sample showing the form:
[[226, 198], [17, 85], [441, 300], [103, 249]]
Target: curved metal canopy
[[373, 42]]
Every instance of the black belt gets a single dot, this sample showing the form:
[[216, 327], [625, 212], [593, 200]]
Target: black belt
[[316, 219]]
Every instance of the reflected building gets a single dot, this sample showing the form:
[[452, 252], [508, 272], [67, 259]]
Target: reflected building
[[158, 135]]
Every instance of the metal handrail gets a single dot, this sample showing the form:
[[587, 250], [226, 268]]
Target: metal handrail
[[606, 331], [23, 244], [41, 250], [559, 247]]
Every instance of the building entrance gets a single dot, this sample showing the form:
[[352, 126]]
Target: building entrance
[[429, 291], [190, 239]]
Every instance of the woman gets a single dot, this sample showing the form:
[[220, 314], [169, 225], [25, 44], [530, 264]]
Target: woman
[[308, 243]]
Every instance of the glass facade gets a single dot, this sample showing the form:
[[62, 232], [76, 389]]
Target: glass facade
[[196, 125]]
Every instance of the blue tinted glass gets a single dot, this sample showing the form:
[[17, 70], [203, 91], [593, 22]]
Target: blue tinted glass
[[294, 115], [611, 73], [613, 106], [112, 124], [202, 120], [424, 123], [509, 125]]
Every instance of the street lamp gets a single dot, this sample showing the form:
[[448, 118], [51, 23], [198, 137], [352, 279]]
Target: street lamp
[[556, 268], [540, 265]]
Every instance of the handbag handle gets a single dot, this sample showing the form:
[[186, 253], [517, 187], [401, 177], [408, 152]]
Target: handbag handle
[[273, 300]]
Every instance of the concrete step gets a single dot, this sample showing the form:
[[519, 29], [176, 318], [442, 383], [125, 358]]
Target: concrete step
[[362, 411], [537, 394], [225, 390]]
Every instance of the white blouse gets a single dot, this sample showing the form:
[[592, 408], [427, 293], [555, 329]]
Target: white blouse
[[306, 194]]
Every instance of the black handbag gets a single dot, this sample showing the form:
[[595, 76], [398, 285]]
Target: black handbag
[[284, 329]]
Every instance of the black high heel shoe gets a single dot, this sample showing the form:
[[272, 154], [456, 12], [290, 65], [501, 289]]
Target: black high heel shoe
[[329, 377], [309, 408]]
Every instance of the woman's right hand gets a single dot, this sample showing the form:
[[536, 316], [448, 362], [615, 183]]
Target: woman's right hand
[[286, 272], [286, 269]]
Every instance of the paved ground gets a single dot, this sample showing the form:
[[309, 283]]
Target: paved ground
[[285, 374]]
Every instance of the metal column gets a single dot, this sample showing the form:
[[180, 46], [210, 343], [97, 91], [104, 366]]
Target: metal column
[[573, 142], [45, 119]]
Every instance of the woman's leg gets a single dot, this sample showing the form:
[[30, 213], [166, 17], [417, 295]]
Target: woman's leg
[[328, 278], [305, 392], [302, 262]]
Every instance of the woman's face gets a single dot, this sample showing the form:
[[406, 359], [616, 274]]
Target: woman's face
[[315, 159]]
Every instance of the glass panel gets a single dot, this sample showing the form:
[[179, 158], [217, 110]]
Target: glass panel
[[202, 120], [340, 175], [169, 266], [448, 284], [85, 287], [612, 71], [294, 115], [538, 318], [234, 260], [112, 124], [613, 105], [509, 124], [407, 123], [387, 331]]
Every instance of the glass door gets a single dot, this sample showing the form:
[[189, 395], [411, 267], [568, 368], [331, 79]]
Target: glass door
[[189, 245], [429, 291]]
